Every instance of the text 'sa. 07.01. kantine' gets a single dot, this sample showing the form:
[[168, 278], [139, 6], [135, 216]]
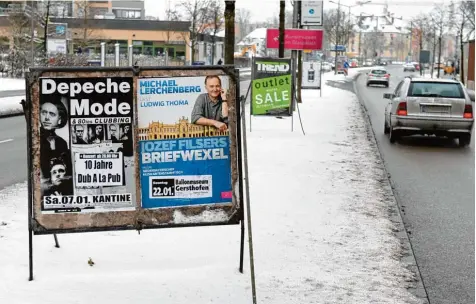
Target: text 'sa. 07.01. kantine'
[[86, 144]]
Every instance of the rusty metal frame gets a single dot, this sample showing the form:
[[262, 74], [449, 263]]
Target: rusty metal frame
[[138, 219]]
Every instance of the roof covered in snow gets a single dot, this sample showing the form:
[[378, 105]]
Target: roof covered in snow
[[255, 36]]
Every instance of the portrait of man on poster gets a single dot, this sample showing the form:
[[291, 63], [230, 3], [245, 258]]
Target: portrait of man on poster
[[53, 116], [79, 135], [96, 134], [211, 108], [59, 183]]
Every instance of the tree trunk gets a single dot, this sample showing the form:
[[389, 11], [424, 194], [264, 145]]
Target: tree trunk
[[420, 47], [434, 53], [439, 55], [282, 8], [45, 35], [461, 63], [229, 32]]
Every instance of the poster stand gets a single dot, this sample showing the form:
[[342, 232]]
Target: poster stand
[[241, 163], [27, 112]]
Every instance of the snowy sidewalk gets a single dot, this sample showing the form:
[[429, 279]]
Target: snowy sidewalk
[[321, 231]]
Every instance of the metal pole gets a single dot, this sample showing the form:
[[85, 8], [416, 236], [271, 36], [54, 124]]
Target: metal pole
[[103, 54], [248, 206], [26, 109], [117, 61], [166, 58], [130, 55]]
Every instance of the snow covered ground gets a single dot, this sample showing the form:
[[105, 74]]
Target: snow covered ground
[[7, 84], [321, 231], [11, 105]]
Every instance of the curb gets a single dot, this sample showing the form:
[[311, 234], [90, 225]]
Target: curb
[[408, 258]]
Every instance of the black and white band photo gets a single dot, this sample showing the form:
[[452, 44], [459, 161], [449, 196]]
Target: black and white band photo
[[86, 144]]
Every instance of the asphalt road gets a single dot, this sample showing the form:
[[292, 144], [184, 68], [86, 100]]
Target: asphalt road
[[13, 165], [11, 93], [434, 184]]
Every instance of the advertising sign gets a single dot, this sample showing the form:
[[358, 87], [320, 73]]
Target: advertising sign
[[86, 144], [184, 141], [271, 86], [56, 46], [424, 56], [57, 37], [311, 75], [311, 12], [295, 39]]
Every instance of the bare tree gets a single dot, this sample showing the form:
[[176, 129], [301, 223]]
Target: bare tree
[[217, 21], [243, 17], [442, 17], [86, 32], [337, 27], [197, 12]]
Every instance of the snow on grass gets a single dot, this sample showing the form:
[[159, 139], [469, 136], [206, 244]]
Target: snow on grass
[[321, 231], [7, 84], [11, 105]]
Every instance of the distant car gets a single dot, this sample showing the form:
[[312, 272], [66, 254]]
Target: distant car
[[409, 67], [378, 76], [422, 106], [326, 67]]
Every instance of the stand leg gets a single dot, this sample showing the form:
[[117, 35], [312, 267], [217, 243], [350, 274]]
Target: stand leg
[[26, 111], [56, 241], [300, 120], [248, 208], [30, 253], [242, 244]]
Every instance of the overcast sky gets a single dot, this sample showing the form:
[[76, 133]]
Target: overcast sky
[[264, 9]]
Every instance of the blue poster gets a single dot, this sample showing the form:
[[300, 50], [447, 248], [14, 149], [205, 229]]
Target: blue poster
[[184, 142]]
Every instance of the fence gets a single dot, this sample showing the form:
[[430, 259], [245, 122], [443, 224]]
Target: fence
[[15, 64]]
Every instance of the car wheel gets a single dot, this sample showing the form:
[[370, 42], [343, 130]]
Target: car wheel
[[368, 84], [464, 140], [393, 135], [386, 129]]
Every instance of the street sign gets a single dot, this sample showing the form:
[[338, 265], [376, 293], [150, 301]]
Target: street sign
[[424, 56], [295, 39], [338, 48], [311, 12]]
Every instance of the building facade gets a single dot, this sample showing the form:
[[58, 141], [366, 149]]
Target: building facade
[[181, 129]]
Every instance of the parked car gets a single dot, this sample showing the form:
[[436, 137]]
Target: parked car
[[378, 76], [409, 67], [416, 65], [440, 107]]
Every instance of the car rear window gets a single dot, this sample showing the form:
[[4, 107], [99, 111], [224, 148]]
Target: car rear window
[[379, 72], [436, 89]]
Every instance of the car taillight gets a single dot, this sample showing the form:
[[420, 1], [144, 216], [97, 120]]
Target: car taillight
[[371, 75], [387, 75], [402, 109], [468, 111]]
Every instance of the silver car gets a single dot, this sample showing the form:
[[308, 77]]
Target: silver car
[[440, 107], [378, 76], [410, 67]]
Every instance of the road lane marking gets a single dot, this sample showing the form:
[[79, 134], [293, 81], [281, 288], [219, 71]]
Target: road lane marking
[[6, 140]]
